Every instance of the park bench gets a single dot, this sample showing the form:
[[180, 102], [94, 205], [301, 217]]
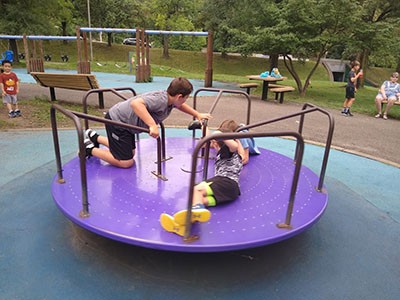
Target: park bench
[[385, 102], [248, 86], [81, 82], [280, 91]]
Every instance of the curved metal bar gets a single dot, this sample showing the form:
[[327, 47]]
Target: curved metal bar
[[328, 140], [307, 108], [220, 92], [101, 100], [82, 157], [85, 204], [234, 135]]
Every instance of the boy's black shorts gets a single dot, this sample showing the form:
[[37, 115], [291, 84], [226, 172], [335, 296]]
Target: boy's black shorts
[[350, 92], [120, 140], [224, 189]]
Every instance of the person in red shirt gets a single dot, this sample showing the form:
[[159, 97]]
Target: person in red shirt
[[10, 88]]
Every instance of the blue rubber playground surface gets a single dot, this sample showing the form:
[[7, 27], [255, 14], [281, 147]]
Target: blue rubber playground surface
[[352, 252]]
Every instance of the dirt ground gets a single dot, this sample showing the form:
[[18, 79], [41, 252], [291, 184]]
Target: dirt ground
[[363, 135]]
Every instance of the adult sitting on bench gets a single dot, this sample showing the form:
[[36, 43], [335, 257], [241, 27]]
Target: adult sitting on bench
[[389, 91]]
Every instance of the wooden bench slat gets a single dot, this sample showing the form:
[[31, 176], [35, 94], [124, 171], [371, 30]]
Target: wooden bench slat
[[283, 89], [83, 82], [385, 102], [246, 85]]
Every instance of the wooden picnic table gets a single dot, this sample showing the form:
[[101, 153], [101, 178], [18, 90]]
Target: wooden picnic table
[[266, 82]]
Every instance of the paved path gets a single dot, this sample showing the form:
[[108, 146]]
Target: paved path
[[361, 134]]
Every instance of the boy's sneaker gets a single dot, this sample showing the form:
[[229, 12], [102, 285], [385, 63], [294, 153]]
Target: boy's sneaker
[[168, 223], [199, 213], [349, 114], [92, 136], [11, 114], [18, 113], [89, 146], [195, 124]]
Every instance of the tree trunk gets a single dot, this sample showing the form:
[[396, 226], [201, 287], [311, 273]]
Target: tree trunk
[[364, 64], [165, 47], [64, 31], [398, 66], [293, 72], [273, 61], [14, 49], [109, 37]]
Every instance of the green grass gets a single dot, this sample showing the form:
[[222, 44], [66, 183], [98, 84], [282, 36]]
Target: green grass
[[191, 64]]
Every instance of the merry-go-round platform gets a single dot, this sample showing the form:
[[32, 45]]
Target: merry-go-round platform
[[126, 204]]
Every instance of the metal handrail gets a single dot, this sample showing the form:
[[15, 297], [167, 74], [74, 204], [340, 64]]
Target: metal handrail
[[220, 92], [101, 100], [75, 116], [302, 114], [224, 136]]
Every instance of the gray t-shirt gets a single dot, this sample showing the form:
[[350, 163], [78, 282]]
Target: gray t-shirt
[[156, 104]]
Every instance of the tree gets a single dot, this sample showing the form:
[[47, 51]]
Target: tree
[[105, 13], [177, 15], [302, 29], [26, 17], [375, 31]]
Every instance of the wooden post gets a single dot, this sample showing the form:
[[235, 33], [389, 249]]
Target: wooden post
[[40, 67], [148, 68], [209, 71], [27, 58], [138, 58], [143, 62], [85, 64], [78, 47]]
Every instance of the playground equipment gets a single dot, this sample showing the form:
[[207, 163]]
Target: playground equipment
[[143, 52], [7, 55], [280, 197]]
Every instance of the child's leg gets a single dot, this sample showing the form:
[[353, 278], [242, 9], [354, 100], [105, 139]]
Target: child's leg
[[103, 140], [106, 155], [201, 197], [350, 102]]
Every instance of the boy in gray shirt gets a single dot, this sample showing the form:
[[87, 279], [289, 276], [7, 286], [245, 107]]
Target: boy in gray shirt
[[146, 110]]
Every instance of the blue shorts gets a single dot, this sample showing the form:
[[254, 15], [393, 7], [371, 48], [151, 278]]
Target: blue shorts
[[388, 96], [10, 99]]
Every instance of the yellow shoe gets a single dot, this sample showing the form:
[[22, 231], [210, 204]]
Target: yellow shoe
[[168, 223], [198, 214]]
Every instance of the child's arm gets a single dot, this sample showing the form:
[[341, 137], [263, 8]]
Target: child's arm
[[141, 111], [190, 111], [233, 145], [244, 153], [3, 92], [17, 86]]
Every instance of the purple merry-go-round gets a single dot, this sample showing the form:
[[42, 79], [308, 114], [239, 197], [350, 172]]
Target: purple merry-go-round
[[279, 198]]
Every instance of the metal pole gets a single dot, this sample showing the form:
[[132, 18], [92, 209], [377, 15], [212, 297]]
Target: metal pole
[[90, 33]]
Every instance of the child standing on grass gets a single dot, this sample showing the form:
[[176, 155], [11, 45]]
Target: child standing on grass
[[351, 88], [223, 187], [10, 88]]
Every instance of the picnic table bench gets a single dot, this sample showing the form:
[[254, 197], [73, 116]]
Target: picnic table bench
[[248, 86], [281, 90]]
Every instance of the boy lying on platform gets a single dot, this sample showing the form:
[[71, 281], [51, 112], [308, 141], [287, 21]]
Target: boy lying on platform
[[223, 187]]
